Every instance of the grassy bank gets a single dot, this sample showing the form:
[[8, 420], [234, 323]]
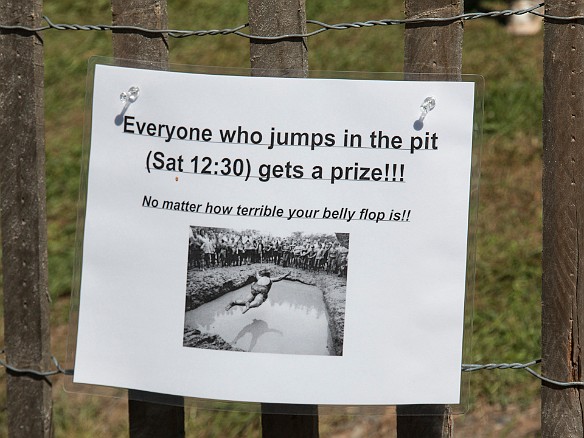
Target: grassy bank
[[507, 300]]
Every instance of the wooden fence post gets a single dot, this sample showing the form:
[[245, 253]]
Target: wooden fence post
[[278, 17], [283, 58], [302, 424], [147, 419], [430, 48], [23, 218], [563, 227], [153, 420], [150, 14], [433, 47]]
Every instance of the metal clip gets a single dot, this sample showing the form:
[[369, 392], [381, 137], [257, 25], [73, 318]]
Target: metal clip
[[427, 106], [127, 98]]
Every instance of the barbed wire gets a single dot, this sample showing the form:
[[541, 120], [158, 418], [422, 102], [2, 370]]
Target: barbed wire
[[466, 368], [323, 27]]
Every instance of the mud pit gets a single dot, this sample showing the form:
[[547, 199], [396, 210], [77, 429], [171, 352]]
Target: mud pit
[[303, 314], [293, 321]]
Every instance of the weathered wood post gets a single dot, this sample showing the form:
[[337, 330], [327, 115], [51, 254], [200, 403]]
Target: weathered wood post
[[563, 228], [282, 58], [302, 422], [23, 218], [147, 419], [151, 14], [278, 17], [433, 47], [430, 48]]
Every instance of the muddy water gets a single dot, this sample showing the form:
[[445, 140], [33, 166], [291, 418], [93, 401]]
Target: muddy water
[[293, 320]]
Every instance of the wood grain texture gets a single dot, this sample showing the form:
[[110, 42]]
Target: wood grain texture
[[147, 419], [278, 17], [424, 421], [563, 225], [282, 59], [23, 220], [434, 48], [150, 14]]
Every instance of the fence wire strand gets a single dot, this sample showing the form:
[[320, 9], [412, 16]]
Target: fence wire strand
[[521, 366], [322, 27], [30, 372], [466, 368]]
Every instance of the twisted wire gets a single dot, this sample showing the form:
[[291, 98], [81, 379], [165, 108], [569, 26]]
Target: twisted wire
[[467, 368], [322, 26]]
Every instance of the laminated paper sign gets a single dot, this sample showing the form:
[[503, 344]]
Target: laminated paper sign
[[277, 240]]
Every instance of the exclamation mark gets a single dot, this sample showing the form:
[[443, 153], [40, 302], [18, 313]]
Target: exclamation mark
[[407, 215], [394, 174]]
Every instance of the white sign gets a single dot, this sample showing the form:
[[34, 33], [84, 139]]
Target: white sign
[[201, 180]]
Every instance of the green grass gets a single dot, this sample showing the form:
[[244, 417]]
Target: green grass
[[508, 286]]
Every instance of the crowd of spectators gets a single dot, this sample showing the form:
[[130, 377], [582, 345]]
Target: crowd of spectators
[[210, 248]]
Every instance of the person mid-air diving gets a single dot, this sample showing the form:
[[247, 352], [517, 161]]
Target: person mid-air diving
[[259, 291]]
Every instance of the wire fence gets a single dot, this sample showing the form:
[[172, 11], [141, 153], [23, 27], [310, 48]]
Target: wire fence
[[322, 27], [36, 373], [466, 368]]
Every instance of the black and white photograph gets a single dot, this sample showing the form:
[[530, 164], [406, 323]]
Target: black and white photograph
[[261, 292]]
